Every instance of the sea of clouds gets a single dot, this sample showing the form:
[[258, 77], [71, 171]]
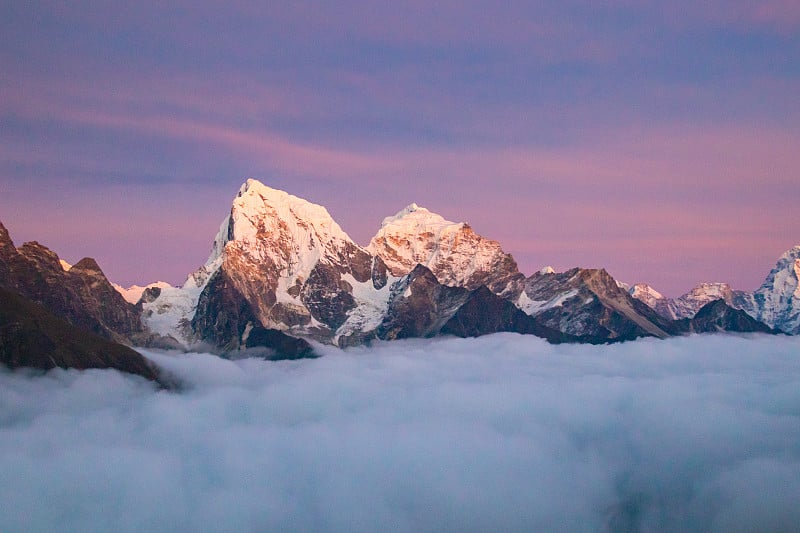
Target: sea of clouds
[[500, 433]]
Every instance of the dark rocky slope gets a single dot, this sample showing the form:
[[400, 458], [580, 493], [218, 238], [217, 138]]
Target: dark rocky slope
[[227, 322], [31, 336], [719, 316], [588, 304], [484, 312], [82, 295], [419, 306]]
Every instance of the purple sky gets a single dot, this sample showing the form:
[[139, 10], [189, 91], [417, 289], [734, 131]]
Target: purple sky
[[658, 140]]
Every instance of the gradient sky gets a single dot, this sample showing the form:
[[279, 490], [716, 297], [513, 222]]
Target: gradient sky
[[660, 140]]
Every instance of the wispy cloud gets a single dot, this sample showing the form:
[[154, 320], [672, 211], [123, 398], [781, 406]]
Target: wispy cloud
[[614, 197], [568, 118]]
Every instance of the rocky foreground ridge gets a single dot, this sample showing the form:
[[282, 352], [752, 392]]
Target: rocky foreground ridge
[[282, 274], [56, 315]]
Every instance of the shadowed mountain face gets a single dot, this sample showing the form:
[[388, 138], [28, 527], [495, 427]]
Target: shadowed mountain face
[[227, 322], [590, 305], [31, 336], [719, 316], [484, 312], [52, 317], [419, 306], [81, 295]]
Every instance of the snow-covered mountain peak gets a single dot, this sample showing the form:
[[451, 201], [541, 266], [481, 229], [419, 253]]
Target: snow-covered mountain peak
[[713, 289], [777, 301], [415, 219], [687, 305], [410, 208], [283, 255], [784, 277], [645, 293], [455, 254], [260, 212], [134, 293], [792, 253], [783, 282]]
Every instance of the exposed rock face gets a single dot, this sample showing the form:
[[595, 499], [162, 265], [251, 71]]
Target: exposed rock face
[[225, 315], [484, 312], [719, 316], [8, 253], [281, 270], [31, 336], [81, 295], [419, 306], [652, 298], [281, 263], [455, 254], [228, 323], [777, 301], [588, 303], [280, 345], [690, 303], [291, 265]]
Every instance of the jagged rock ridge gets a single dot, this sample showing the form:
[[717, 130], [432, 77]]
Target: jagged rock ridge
[[717, 316], [57, 315], [589, 304], [282, 272], [280, 263], [687, 305], [776, 303], [81, 295]]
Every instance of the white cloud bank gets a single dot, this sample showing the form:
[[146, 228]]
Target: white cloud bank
[[501, 433]]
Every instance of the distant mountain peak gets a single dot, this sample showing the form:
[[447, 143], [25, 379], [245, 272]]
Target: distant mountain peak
[[87, 264], [645, 293], [414, 217], [455, 254], [5, 238], [777, 301], [688, 304], [792, 253]]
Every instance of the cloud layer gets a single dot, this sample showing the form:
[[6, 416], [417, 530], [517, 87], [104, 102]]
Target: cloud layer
[[502, 433]]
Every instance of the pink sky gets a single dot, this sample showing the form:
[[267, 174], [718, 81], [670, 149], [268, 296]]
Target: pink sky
[[657, 142]]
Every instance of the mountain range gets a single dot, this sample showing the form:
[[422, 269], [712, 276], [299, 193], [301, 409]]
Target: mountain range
[[283, 275]]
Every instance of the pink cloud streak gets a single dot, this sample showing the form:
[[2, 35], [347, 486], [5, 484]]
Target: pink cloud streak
[[669, 192]]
